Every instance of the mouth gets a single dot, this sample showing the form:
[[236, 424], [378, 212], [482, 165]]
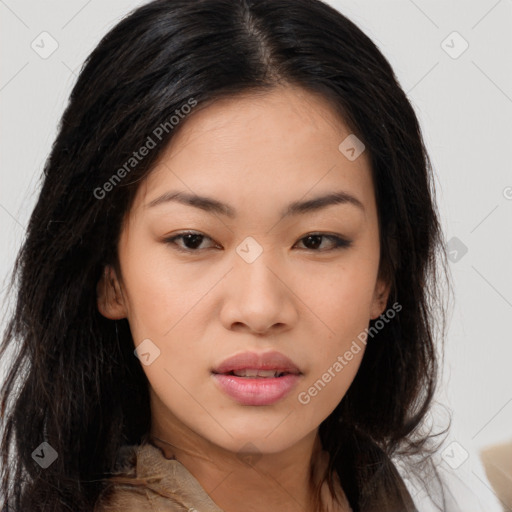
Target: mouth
[[257, 379], [255, 373], [253, 364]]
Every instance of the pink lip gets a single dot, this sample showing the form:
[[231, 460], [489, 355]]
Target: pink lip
[[257, 390]]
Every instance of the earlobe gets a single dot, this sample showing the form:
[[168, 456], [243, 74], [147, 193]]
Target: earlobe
[[109, 295], [380, 299]]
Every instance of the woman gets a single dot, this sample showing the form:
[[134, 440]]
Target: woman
[[227, 290]]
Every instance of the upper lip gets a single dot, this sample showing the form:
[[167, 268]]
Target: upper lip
[[257, 361]]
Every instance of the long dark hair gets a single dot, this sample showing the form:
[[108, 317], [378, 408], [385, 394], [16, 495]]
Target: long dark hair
[[74, 382]]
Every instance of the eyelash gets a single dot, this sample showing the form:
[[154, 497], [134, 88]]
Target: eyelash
[[339, 243]]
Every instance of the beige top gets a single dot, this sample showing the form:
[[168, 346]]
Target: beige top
[[169, 486], [166, 485]]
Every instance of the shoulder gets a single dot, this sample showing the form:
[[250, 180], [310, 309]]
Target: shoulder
[[144, 479]]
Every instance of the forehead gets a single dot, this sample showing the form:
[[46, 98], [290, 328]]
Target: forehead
[[285, 115], [282, 144]]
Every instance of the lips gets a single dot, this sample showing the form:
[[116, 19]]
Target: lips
[[257, 379], [257, 365]]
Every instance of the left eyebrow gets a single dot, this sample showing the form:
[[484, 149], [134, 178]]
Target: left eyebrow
[[211, 205]]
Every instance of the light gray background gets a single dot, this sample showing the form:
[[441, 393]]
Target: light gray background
[[465, 107]]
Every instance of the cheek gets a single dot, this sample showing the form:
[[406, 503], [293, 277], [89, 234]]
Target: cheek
[[162, 297], [336, 360], [342, 298], [166, 307], [343, 304]]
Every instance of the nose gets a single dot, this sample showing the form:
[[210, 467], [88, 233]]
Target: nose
[[258, 298]]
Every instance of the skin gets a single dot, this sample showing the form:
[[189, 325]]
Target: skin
[[257, 154]]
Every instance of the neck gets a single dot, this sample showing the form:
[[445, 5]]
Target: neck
[[253, 482]]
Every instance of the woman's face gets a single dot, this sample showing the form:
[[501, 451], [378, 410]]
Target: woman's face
[[258, 276]]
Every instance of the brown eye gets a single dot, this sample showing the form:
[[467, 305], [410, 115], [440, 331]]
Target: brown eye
[[314, 240], [191, 241]]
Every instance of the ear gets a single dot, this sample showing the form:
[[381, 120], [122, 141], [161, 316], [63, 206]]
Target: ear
[[380, 298], [109, 295]]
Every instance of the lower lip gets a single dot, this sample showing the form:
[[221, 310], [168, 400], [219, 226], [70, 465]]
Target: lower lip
[[256, 391]]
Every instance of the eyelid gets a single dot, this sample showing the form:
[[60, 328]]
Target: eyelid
[[339, 241]]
